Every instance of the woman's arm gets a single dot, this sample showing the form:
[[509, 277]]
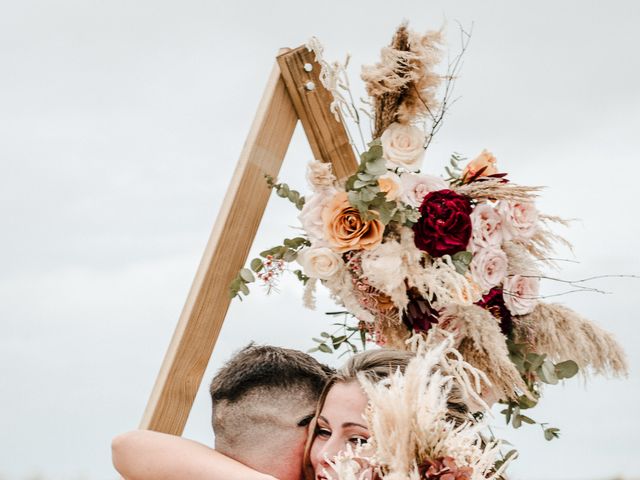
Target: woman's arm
[[147, 455]]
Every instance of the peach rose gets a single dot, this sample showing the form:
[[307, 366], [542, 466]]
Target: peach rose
[[389, 183], [485, 160], [403, 146], [344, 228]]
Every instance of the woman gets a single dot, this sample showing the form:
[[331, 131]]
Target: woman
[[339, 421]]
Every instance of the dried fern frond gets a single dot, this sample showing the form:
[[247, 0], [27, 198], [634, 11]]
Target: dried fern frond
[[563, 335]]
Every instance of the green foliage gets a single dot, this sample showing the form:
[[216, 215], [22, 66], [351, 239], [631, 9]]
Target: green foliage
[[534, 368], [284, 191], [288, 252], [461, 261], [365, 195], [454, 170], [342, 337]]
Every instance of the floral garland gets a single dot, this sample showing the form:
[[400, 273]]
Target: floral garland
[[409, 252]]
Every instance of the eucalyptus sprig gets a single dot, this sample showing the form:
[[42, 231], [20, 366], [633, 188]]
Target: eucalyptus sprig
[[341, 337], [534, 368], [284, 191], [287, 252], [365, 195]]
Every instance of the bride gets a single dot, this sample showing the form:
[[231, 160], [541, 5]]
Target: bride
[[339, 421]]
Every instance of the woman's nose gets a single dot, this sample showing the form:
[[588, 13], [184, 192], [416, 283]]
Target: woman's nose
[[329, 450]]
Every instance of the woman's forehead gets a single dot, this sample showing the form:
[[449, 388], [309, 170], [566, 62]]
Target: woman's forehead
[[345, 402]]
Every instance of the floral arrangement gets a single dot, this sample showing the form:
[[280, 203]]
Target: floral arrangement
[[414, 435], [406, 252]]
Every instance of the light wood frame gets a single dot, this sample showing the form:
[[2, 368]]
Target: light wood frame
[[288, 97]]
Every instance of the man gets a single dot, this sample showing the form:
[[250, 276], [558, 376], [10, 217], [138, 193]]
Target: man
[[262, 401]]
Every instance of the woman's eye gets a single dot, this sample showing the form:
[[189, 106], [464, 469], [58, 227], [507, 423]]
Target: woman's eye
[[357, 441], [323, 432]]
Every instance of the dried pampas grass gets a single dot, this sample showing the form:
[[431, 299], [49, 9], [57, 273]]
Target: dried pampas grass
[[563, 335], [403, 84], [411, 420], [483, 345], [497, 189]]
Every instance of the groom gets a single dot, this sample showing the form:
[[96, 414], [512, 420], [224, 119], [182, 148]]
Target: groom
[[262, 402]]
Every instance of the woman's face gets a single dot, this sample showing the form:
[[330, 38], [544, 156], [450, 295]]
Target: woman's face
[[340, 422]]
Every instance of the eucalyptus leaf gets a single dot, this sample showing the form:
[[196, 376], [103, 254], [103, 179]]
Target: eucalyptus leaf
[[247, 275], [290, 256], [566, 369], [323, 347], [256, 265], [464, 257], [547, 373]]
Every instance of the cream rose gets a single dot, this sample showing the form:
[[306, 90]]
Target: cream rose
[[475, 167], [389, 183], [486, 227], [319, 262], [415, 187], [403, 146], [520, 220], [489, 267], [311, 215], [320, 175], [521, 293]]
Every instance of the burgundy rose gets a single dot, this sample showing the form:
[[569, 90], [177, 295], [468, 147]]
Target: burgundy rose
[[444, 227], [419, 316], [494, 302]]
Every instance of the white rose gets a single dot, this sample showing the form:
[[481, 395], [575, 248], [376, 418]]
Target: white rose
[[521, 293], [311, 215], [415, 187], [319, 262], [489, 267], [403, 146], [389, 183], [486, 225], [520, 220]]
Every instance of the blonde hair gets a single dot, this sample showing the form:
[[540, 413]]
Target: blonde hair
[[374, 366]]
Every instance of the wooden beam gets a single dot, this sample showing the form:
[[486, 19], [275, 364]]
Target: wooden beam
[[234, 230], [226, 252], [327, 137]]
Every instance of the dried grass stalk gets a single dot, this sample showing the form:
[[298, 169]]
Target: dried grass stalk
[[403, 84], [563, 335], [497, 189], [483, 345]]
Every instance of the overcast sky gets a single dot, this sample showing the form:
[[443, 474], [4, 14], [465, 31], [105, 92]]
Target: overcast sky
[[121, 123]]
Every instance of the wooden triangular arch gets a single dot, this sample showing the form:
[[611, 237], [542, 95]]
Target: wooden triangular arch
[[294, 92]]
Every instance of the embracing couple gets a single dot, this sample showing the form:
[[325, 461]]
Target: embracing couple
[[277, 414]]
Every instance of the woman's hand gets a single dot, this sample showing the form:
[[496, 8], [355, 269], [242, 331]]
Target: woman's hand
[[147, 455]]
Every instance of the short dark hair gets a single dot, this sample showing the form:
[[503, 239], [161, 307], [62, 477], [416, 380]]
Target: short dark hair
[[266, 366]]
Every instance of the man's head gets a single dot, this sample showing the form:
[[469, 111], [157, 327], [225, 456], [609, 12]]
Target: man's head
[[262, 401]]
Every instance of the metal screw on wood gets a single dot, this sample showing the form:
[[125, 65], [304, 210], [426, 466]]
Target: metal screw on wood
[[309, 86], [308, 67]]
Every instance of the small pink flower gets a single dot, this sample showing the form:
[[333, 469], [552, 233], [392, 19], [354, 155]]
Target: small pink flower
[[416, 187]]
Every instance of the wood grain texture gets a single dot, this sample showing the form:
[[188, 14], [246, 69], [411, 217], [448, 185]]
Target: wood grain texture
[[226, 253], [327, 137]]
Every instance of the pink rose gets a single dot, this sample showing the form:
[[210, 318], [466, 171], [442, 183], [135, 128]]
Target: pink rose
[[486, 225], [403, 146], [521, 293], [489, 267], [520, 220], [416, 187]]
